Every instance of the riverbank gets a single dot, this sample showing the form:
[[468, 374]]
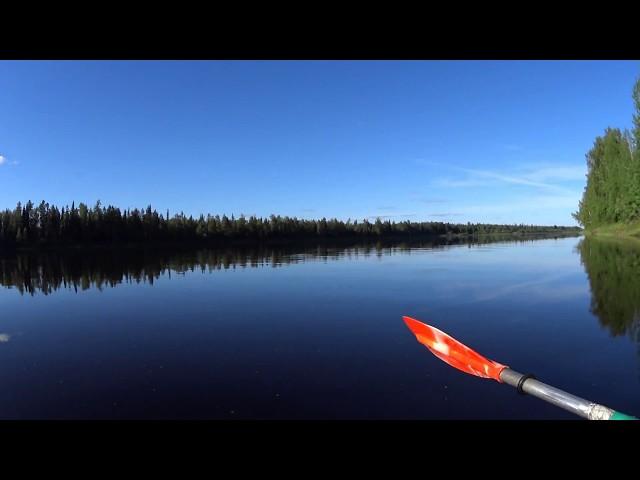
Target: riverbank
[[616, 230], [300, 241]]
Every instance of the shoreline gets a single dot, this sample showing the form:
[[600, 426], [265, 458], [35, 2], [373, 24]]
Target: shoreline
[[252, 243], [616, 230]]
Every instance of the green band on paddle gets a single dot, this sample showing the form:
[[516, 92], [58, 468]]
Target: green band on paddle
[[621, 416]]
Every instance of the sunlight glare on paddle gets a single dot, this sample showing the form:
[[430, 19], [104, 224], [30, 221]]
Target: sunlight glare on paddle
[[452, 352]]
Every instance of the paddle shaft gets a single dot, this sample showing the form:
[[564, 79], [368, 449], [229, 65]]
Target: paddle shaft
[[559, 398]]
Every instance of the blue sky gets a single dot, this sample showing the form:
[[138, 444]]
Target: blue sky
[[478, 141]]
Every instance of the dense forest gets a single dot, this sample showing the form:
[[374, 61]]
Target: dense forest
[[44, 224], [612, 193]]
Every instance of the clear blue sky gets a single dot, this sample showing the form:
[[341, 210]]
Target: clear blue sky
[[466, 141]]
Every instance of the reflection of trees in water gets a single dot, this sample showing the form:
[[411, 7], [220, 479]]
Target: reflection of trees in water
[[613, 268], [46, 272]]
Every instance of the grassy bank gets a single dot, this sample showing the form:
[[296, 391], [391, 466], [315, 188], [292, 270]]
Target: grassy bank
[[618, 230]]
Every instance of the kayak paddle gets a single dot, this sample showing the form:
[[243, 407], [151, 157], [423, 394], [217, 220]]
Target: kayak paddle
[[451, 351]]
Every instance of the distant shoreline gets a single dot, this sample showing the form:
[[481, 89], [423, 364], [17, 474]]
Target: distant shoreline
[[44, 225]]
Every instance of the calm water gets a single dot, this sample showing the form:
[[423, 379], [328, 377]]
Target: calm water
[[316, 332]]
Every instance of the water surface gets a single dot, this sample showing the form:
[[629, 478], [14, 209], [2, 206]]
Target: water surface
[[315, 332]]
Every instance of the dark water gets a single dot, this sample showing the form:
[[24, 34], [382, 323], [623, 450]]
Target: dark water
[[315, 332]]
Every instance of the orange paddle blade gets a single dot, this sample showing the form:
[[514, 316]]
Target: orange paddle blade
[[453, 352]]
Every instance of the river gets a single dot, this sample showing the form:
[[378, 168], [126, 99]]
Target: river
[[315, 332]]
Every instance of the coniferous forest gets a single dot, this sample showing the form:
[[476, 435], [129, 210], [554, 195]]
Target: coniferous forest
[[612, 193], [45, 224]]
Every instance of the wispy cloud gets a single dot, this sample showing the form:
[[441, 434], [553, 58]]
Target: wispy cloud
[[540, 192], [523, 204], [521, 179], [388, 207], [4, 337], [453, 183], [541, 177], [5, 161], [561, 173]]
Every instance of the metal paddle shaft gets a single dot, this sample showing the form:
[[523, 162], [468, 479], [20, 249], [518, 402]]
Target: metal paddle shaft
[[559, 398]]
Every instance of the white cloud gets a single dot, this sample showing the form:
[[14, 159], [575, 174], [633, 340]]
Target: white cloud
[[531, 204], [543, 177], [467, 182], [4, 337], [541, 193], [3, 159], [540, 209], [514, 179], [562, 173]]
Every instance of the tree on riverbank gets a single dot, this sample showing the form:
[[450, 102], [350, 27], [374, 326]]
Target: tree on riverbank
[[612, 193]]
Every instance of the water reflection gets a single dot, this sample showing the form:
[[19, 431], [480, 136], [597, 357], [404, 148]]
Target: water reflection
[[613, 268], [47, 272], [301, 332]]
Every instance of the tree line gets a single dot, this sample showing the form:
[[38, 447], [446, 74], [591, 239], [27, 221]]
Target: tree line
[[46, 224], [612, 193]]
